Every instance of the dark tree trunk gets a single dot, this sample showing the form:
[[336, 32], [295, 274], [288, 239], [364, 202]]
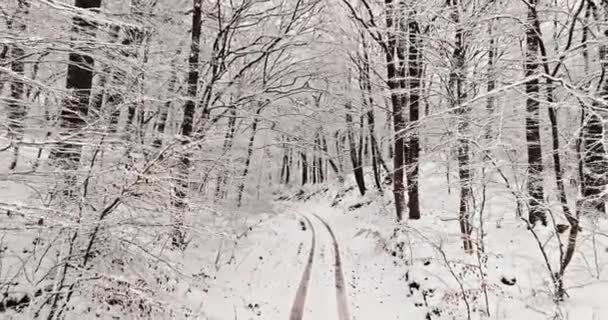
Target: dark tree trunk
[[304, 168], [415, 74], [181, 191], [354, 152], [66, 154], [368, 103], [284, 164], [397, 108], [254, 130], [491, 85], [458, 96], [533, 142], [339, 150], [319, 147], [114, 92], [289, 164], [595, 158]]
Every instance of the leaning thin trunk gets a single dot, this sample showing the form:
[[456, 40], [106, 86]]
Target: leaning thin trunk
[[254, 129]]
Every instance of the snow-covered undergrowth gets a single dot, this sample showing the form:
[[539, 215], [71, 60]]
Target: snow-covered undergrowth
[[419, 270], [88, 258], [247, 263]]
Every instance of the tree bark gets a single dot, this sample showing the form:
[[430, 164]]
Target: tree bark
[[254, 130], [178, 236], [415, 74], [354, 152], [66, 154], [304, 168], [458, 96], [397, 110], [222, 179], [533, 142]]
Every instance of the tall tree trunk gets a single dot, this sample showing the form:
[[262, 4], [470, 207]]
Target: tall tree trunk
[[181, 191], [595, 157], [284, 163], [458, 96], [66, 154], [339, 149], [254, 130], [397, 108], [16, 109], [304, 168], [491, 85], [415, 74], [289, 164], [354, 152], [535, 165]]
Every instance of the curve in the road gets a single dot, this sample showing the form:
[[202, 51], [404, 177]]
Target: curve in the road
[[341, 296], [297, 309]]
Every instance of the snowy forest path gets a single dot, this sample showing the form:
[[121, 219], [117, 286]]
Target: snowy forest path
[[297, 310], [340, 285]]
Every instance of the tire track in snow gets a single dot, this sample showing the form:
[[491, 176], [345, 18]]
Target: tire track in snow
[[297, 309], [341, 297]]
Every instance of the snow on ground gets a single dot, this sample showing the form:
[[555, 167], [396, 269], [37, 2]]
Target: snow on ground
[[414, 270]]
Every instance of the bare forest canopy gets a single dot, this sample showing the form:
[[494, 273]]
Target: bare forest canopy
[[136, 130]]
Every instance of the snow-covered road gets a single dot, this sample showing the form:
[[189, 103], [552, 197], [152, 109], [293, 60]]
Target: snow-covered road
[[321, 307]]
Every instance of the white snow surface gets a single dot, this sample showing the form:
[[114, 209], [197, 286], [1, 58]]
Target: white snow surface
[[408, 270], [421, 281]]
